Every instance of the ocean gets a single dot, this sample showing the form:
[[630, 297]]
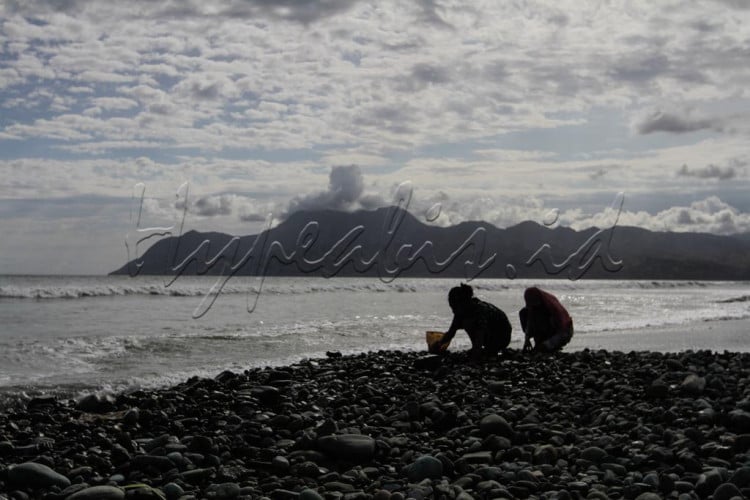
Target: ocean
[[71, 335]]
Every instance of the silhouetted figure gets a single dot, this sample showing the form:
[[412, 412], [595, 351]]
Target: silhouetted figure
[[545, 320], [487, 326]]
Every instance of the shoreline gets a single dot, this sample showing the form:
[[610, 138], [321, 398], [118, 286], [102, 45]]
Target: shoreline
[[731, 335], [390, 424]]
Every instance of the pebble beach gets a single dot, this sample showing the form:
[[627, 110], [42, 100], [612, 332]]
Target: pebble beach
[[396, 425]]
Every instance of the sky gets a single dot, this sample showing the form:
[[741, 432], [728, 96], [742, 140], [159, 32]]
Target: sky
[[119, 116]]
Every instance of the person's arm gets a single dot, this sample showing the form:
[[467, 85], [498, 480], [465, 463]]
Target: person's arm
[[455, 325], [526, 342], [523, 315]]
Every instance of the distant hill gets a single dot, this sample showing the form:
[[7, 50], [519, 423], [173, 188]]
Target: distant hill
[[390, 242]]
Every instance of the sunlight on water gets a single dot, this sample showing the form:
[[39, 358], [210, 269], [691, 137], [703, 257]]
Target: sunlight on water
[[118, 333]]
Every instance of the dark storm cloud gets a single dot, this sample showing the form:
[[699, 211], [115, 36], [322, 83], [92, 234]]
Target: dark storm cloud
[[708, 172], [667, 122], [345, 191]]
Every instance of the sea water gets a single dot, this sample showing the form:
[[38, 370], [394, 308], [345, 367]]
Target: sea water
[[69, 335]]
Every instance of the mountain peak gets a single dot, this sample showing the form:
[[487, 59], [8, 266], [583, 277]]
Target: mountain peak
[[384, 233]]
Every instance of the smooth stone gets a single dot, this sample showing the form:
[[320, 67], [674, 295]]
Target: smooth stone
[[727, 491], [140, 462], [693, 385], [526, 475], [494, 442], [594, 454], [6, 448], [33, 475], [98, 493], [73, 488], [708, 482], [658, 389], [478, 457], [739, 421], [425, 467], [173, 491], [338, 486], [351, 447], [741, 477], [327, 427], [306, 469], [282, 494], [201, 444], [266, 394], [683, 486], [545, 454], [652, 479], [280, 463], [195, 476], [131, 416], [310, 494], [223, 491], [96, 403], [648, 496], [143, 492], [430, 362], [495, 424], [496, 387]]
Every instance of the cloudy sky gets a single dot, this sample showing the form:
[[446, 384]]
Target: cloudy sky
[[234, 109]]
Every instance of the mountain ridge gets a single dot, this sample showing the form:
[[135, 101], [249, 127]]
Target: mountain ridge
[[391, 242]]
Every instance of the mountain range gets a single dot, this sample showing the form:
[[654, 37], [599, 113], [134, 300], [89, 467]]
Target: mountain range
[[391, 242]]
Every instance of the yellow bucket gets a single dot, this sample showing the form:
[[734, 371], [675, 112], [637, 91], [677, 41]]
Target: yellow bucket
[[433, 338]]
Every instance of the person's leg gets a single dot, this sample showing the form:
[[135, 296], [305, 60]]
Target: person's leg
[[494, 343], [523, 315], [538, 328], [557, 341]]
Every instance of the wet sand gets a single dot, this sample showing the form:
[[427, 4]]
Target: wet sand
[[726, 335]]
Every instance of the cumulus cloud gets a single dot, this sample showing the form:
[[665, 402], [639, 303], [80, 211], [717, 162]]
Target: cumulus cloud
[[211, 206], [245, 208], [660, 121], [346, 191], [442, 209], [710, 215], [708, 172]]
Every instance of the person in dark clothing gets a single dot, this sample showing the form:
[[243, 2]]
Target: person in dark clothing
[[545, 320], [487, 326]]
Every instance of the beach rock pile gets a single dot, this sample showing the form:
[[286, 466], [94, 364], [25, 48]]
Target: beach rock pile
[[394, 425]]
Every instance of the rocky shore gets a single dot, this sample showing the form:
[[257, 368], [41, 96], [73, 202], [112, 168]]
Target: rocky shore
[[393, 425]]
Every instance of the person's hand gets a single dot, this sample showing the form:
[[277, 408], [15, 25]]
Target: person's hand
[[442, 345], [527, 345]]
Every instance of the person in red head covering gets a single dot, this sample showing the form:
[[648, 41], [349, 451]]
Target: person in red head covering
[[545, 320], [487, 326]]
